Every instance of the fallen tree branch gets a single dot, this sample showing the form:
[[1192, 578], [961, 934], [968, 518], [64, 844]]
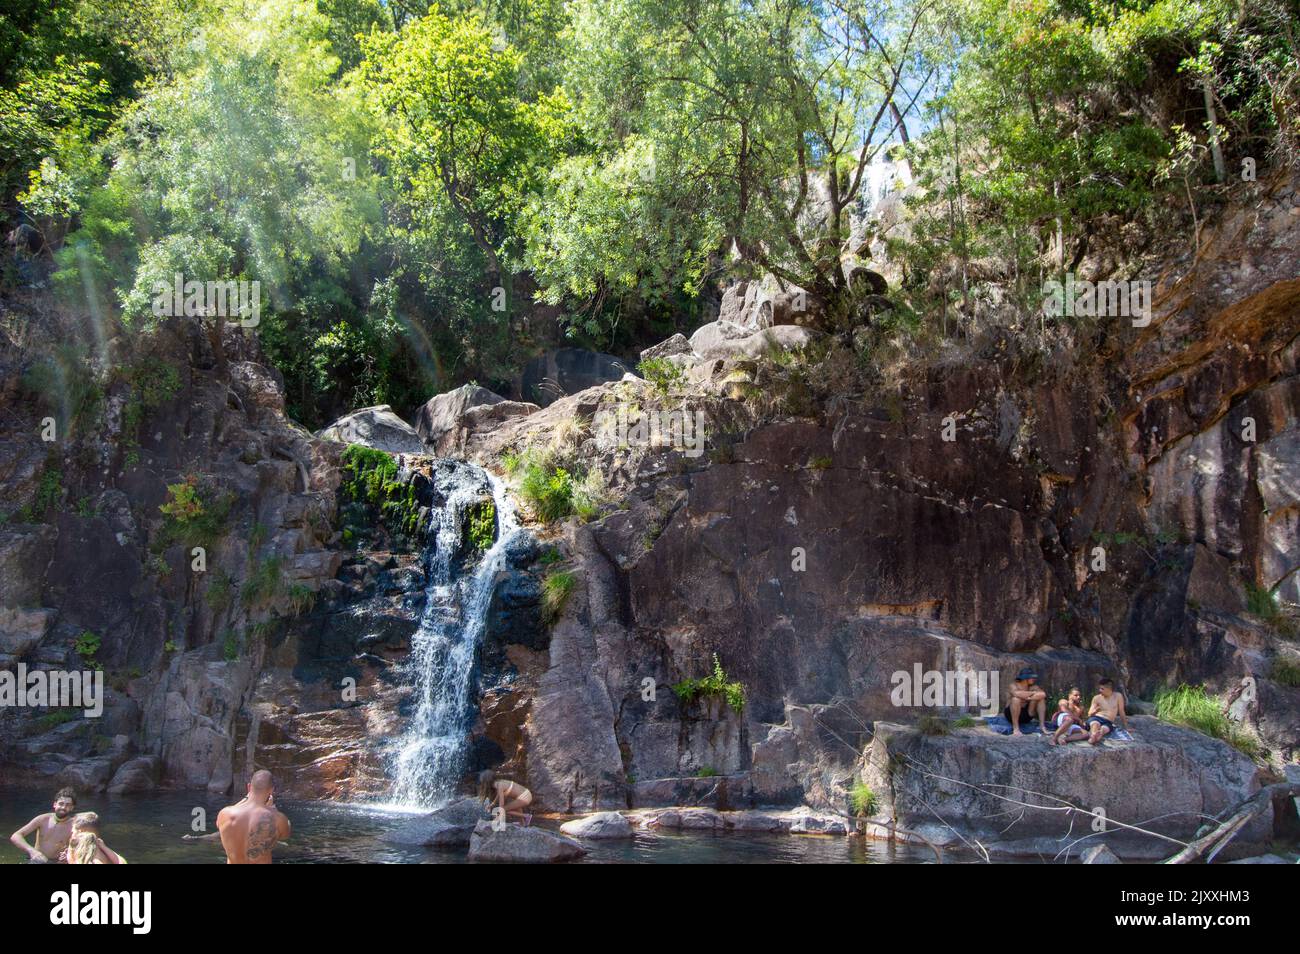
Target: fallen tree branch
[[1236, 821]]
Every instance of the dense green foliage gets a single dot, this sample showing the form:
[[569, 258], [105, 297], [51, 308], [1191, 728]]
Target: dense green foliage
[[426, 197]]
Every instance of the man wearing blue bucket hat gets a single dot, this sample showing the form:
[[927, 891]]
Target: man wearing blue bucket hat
[[1028, 701]]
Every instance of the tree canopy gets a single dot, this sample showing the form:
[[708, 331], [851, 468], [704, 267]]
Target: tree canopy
[[429, 195]]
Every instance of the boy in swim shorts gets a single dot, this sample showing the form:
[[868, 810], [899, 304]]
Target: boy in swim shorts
[[1107, 708], [1069, 719]]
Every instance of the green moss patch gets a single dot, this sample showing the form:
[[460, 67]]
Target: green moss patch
[[481, 525], [372, 494]]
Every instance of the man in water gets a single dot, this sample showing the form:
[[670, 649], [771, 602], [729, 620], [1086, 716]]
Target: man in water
[[53, 829], [250, 828]]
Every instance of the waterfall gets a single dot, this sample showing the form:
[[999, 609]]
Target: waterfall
[[428, 759]]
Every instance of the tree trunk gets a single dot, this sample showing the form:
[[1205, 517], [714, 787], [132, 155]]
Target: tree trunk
[[901, 126], [1212, 123]]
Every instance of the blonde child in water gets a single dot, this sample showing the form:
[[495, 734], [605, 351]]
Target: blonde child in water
[[85, 847]]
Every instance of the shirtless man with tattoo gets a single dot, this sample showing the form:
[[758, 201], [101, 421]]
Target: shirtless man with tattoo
[[250, 828]]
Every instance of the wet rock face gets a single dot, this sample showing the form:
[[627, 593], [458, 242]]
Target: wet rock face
[[330, 686]]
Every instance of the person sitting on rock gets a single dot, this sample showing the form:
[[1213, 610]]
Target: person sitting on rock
[[1027, 698], [86, 847], [1069, 718], [1107, 708], [511, 798]]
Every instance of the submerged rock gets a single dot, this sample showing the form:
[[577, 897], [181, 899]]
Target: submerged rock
[[795, 821], [599, 825], [136, 775], [519, 844]]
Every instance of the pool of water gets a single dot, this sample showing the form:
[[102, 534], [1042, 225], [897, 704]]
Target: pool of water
[[148, 829]]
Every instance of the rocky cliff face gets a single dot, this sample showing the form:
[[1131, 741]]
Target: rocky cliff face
[[176, 609], [826, 538]]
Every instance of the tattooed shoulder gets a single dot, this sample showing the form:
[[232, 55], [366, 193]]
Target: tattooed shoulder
[[261, 837]]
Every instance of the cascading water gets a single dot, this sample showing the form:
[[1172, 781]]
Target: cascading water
[[429, 757]]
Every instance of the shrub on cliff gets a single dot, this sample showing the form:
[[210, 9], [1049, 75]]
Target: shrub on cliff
[[662, 374], [546, 488], [716, 684], [194, 514]]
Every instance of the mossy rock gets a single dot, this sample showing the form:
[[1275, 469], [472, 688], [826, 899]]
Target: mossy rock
[[373, 494], [481, 525]]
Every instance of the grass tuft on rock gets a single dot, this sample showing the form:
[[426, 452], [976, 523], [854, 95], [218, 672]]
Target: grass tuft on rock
[[1193, 708], [546, 488], [1285, 672], [932, 725], [265, 583], [862, 799], [556, 587], [1262, 602]]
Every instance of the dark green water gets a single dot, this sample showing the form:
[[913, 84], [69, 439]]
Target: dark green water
[[148, 829]]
